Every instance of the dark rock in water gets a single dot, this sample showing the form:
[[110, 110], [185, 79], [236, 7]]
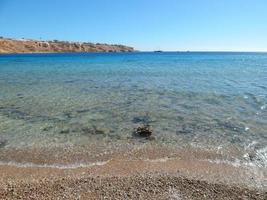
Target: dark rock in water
[[186, 129], [94, 131], [227, 125], [83, 111], [68, 115], [3, 142], [99, 132], [143, 131], [19, 95], [87, 130], [142, 119], [47, 128], [115, 137], [65, 131], [81, 128], [71, 81], [15, 113]]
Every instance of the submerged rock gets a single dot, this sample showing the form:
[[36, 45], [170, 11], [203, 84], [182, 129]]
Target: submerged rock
[[143, 131], [93, 131], [141, 119], [20, 95], [3, 142], [146, 119], [47, 128], [65, 131], [77, 128]]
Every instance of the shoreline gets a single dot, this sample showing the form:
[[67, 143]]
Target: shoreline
[[115, 181], [149, 173], [69, 52]]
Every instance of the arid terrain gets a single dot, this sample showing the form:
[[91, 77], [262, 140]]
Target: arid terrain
[[36, 46]]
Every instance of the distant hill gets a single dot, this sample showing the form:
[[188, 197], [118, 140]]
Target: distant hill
[[35, 46]]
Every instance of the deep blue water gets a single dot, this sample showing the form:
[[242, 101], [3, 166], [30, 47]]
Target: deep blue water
[[209, 100]]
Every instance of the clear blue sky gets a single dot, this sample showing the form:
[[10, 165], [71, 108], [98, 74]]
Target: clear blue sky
[[234, 25]]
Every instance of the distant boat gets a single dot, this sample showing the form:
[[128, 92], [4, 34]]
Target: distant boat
[[159, 51]]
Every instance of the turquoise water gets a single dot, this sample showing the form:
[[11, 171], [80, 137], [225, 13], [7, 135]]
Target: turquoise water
[[207, 100]]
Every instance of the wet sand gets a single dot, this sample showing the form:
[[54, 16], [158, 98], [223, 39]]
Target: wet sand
[[141, 173]]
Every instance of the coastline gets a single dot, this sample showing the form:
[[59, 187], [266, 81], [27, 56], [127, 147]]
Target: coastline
[[10, 46], [67, 52]]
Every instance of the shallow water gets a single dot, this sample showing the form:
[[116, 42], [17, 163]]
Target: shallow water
[[214, 101]]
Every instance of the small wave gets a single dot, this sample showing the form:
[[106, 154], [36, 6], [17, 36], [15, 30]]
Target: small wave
[[55, 166], [257, 156], [260, 160], [253, 169], [158, 160], [235, 163]]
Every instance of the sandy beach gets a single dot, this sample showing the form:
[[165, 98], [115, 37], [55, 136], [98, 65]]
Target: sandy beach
[[141, 173]]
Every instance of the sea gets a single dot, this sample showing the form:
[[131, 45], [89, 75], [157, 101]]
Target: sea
[[216, 101]]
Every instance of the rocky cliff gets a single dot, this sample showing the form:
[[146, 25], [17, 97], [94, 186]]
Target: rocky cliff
[[35, 46]]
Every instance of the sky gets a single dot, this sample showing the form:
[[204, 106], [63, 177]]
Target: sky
[[147, 25]]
